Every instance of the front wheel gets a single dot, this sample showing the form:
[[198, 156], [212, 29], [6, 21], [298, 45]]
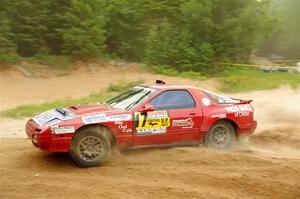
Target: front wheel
[[221, 135], [90, 147]]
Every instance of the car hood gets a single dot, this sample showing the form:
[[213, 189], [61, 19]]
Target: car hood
[[57, 115], [81, 110]]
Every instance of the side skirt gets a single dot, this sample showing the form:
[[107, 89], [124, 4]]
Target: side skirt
[[194, 143]]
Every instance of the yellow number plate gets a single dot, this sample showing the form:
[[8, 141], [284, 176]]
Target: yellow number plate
[[152, 120]]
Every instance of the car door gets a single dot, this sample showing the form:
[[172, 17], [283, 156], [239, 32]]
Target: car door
[[176, 118]]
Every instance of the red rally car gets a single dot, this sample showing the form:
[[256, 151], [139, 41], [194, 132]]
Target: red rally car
[[143, 116]]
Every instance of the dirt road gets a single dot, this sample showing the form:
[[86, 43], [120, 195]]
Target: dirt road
[[265, 165]]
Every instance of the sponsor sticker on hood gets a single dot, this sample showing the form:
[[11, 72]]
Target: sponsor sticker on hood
[[52, 117], [91, 119]]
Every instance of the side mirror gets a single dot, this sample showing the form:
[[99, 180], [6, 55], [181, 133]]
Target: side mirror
[[147, 108]]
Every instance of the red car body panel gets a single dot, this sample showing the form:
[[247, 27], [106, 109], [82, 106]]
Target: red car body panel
[[183, 125]]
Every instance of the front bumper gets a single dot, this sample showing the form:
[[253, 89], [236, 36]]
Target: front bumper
[[39, 136], [45, 140]]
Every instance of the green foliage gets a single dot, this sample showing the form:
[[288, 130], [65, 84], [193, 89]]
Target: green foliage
[[161, 44], [248, 79], [166, 47], [189, 35], [166, 70], [208, 31], [7, 46], [125, 28], [285, 40], [83, 32], [72, 27], [28, 25]]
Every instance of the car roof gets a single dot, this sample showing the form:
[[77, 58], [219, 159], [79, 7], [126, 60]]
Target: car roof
[[170, 87]]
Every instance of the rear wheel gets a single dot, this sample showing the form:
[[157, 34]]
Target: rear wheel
[[90, 147], [221, 135]]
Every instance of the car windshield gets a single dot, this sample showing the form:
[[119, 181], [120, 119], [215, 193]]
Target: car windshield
[[130, 98], [219, 98]]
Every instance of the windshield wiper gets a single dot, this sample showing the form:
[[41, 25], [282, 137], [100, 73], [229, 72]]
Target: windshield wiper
[[136, 102], [120, 98]]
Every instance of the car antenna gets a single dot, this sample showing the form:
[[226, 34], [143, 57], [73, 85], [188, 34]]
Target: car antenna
[[160, 82]]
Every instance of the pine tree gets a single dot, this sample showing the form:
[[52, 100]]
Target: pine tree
[[83, 33], [27, 19], [7, 46]]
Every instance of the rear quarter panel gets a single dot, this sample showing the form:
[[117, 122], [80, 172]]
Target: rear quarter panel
[[241, 115]]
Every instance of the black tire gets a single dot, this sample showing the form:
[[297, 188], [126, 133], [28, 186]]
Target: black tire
[[90, 147], [221, 135]]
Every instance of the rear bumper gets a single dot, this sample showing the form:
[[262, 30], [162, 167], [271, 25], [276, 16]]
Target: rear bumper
[[247, 129]]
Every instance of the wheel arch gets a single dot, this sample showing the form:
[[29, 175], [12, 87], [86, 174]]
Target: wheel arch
[[110, 133], [209, 141], [233, 123]]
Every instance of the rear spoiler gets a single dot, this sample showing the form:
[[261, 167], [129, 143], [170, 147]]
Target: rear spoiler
[[243, 101], [159, 82]]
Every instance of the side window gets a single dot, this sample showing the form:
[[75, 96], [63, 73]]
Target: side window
[[176, 99]]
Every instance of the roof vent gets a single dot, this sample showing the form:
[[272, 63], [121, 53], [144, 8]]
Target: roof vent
[[160, 82]]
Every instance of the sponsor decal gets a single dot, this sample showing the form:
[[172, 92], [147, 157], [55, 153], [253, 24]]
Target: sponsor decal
[[62, 129], [124, 128], [122, 117], [186, 123], [118, 122], [222, 115], [206, 101], [156, 120], [94, 118], [152, 131], [157, 114], [237, 108], [241, 114], [104, 118]]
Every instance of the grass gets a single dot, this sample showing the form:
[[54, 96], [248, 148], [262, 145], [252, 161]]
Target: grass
[[237, 79], [175, 73], [31, 109], [248, 79]]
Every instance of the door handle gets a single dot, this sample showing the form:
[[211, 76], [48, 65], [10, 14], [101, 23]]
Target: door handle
[[193, 113]]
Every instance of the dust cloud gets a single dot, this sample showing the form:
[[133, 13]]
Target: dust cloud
[[278, 115]]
